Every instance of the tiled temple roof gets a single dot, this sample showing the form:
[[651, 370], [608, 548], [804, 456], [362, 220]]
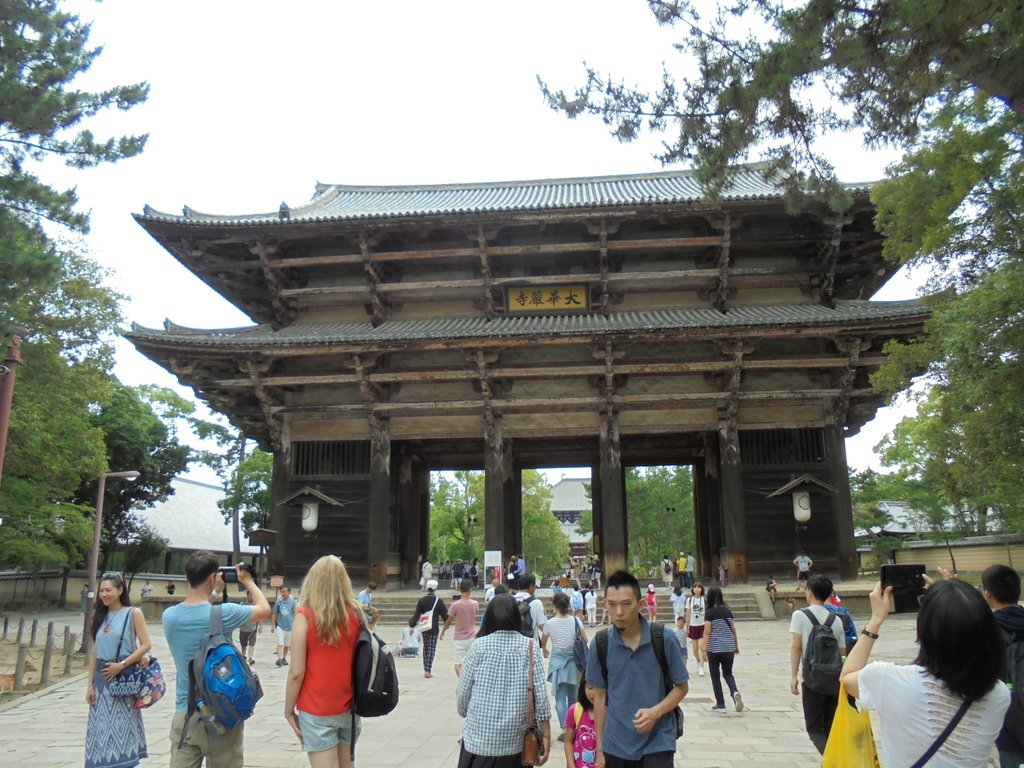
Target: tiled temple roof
[[336, 202], [512, 326]]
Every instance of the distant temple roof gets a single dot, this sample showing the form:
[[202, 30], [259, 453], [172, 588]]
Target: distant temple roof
[[337, 202], [511, 326], [570, 495], [191, 520]]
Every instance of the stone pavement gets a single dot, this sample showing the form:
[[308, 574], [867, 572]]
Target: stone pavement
[[48, 728]]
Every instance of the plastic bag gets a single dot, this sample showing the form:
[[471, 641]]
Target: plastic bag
[[851, 744]]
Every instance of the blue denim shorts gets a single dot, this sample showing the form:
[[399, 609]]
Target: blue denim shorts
[[323, 732]]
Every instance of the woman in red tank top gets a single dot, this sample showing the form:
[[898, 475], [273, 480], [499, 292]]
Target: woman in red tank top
[[318, 696]]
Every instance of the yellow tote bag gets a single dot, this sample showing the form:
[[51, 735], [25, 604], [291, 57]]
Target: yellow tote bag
[[851, 744]]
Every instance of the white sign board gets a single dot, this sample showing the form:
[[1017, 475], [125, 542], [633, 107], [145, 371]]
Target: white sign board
[[492, 558]]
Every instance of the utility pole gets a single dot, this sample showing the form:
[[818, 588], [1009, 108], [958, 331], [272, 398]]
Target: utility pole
[[7, 373]]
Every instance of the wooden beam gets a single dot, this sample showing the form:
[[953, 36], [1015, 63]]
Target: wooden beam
[[539, 249]]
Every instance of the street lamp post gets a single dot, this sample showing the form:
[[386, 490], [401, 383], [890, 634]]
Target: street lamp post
[[94, 553]]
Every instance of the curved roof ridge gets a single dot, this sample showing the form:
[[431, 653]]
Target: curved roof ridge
[[354, 202]]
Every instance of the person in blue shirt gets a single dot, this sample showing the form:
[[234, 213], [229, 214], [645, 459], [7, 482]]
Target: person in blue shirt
[[185, 626], [633, 713], [281, 623]]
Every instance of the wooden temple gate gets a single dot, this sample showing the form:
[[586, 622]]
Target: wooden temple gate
[[602, 322]]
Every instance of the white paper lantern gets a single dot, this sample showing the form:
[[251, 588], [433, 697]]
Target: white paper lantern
[[310, 515], [802, 506]]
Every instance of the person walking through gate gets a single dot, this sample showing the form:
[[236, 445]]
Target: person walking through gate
[[563, 674], [696, 604], [281, 623], [634, 716], [463, 612], [819, 705], [433, 604], [721, 646]]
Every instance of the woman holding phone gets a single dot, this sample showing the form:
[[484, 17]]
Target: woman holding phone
[[946, 708]]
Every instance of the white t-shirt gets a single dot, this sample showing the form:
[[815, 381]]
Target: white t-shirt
[[410, 638], [590, 599], [678, 604], [914, 707], [695, 605], [802, 562], [799, 624], [562, 631]]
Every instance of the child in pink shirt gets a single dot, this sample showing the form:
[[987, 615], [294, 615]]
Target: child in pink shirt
[[580, 732]]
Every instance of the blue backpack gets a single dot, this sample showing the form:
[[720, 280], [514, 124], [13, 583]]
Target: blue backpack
[[222, 689]]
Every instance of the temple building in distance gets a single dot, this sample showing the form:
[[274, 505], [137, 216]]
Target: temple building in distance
[[602, 322]]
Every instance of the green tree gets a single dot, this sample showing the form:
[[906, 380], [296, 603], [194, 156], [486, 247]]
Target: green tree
[[43, 50], [54, 443], [143, 547], [545, 547], [457, 520], [938, 477], [248, 491], [944, 83], [774, 77], [659, 501], [136, 437]]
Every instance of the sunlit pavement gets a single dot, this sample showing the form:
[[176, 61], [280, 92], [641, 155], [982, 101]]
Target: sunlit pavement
[[48, 728]]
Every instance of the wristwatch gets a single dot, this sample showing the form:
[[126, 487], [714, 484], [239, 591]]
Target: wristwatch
[[872, 635]]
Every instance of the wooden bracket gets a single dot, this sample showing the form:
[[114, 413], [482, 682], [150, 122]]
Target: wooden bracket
[[276, 281]]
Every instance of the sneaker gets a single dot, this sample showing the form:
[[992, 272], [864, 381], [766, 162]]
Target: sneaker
[[251, 661], [738, 700], [718, 708], [284, 662], [561, 736], [277, 663]]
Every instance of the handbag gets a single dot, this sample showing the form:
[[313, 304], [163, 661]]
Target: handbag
[[851, 744], [426, 620], [579, 648], [153, 686], [129, 681], [532, 744]]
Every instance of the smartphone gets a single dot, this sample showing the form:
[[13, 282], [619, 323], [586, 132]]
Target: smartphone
[[229, 574], [907, 582]]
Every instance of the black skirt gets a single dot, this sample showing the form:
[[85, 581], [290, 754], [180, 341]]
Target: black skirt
[[469, 760]]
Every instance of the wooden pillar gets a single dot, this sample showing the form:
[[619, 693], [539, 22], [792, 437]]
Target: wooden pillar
[[734, 524], [702, 548], [409, 519], [512, 496], [713, 489], [422, 482], [495, 513], [378, 533], [842, 504], [596, 512], [613, 498], [280, 488]]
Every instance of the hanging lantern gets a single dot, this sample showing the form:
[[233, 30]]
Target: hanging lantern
[[310, 515], [310, 500], [802, 506]]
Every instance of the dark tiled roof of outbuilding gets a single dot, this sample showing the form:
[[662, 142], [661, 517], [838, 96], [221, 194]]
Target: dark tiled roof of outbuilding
[[336, 202], [512, 326]]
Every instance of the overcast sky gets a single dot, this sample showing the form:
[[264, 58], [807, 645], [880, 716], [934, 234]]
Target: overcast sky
[[254, 102]]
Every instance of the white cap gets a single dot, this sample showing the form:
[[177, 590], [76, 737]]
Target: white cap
[[432, 584]]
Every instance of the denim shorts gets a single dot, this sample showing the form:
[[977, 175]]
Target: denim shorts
[[323, 732]]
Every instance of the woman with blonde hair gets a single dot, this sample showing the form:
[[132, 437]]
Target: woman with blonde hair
[[318, 697]]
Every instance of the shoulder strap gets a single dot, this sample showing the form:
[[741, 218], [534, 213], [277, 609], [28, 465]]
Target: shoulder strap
[[943, 736], [810, 615], [601, 638], [831, 619], [216, 620], [658, 646], [124, 628], [577, 713]]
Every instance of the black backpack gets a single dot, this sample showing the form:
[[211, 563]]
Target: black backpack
[[658, 646], [822, 660], [525, 617], [1014, 722], [374, 678]]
